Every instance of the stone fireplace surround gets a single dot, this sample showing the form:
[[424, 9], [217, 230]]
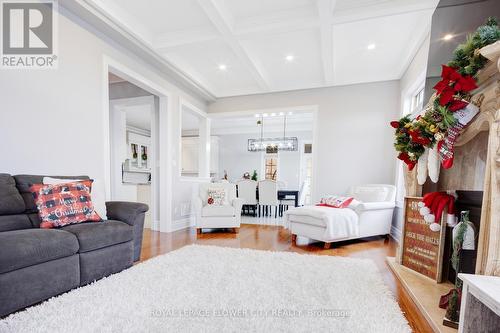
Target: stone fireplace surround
[[477, 163]]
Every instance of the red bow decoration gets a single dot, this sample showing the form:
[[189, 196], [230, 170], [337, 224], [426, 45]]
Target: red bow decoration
[[405, 158], [416, 137]]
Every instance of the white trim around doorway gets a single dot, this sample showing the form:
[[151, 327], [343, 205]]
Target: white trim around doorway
[[162, 173]]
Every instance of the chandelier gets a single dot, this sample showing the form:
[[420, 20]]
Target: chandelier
[[273, 145]]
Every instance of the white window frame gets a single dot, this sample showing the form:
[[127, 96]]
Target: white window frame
[[414, 92]]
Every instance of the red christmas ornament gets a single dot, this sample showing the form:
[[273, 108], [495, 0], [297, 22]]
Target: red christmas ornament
[[395, 124]]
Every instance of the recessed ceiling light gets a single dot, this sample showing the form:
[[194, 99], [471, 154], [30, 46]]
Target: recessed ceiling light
[[290, 57], [448, 36], [371, 46], [222, 67]]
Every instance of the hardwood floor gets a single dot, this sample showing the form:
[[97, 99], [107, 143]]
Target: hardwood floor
[[276, 238]]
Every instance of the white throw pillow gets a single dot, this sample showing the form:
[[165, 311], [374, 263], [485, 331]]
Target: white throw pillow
[[97, 194], [216, 196]]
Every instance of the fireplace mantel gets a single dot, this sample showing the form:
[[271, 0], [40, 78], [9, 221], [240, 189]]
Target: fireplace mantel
[[486, 123]]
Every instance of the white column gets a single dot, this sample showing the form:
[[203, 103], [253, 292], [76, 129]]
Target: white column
[[204, 148]]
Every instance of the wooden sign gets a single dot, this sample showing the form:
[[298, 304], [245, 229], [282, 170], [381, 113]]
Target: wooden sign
[[422, 248]]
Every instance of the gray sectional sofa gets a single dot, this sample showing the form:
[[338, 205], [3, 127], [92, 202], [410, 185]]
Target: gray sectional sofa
[[36, 264]]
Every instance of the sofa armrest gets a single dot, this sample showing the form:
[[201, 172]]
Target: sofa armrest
[[133, 214], [238, 205], [125, 211], [366, 206]]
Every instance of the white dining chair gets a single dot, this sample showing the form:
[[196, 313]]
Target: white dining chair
[[268, 197], [247, 191]]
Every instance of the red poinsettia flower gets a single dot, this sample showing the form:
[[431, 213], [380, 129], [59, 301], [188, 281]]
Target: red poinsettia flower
[[417, 138], [395, 124], [446, 96], [442, 85], [465, 84], [450, 73], [457, 104], [405, 158]]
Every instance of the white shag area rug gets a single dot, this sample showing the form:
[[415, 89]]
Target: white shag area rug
[[217, 289]]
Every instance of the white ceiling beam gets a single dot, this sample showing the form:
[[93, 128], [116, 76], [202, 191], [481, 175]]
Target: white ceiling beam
[[295, 19], [223, 21], [168, 40], [325, 12]]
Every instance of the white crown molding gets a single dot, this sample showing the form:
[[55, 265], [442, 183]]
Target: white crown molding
[[102, 21]]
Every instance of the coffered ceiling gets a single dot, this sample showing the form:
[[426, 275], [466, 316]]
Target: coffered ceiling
[[239, 47]]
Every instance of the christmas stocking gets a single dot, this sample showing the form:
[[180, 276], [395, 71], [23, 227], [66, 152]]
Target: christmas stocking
[[422, 167], [446, 146], [433, 164]]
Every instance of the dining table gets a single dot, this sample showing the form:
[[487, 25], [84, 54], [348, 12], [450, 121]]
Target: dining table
[[282, 194]]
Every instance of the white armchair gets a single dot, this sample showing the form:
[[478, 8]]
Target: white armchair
[[227, 215]]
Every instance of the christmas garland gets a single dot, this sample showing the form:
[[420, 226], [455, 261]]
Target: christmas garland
[[452, 94]]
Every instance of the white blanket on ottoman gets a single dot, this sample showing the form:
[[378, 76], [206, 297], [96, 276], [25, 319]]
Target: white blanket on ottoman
[[340, 223]]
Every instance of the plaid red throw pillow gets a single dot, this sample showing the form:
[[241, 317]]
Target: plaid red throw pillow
[[62, 204]]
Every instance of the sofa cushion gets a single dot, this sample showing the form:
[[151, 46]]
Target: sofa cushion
[[23, 248], [97, 235], [11, 201], [14, 222], [217, 211], [24, 182]]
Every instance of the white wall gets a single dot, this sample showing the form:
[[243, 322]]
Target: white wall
[[52, 121], [355, 139], [235, 158]]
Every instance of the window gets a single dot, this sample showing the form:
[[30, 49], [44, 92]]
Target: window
[[417, 101], [271, 167]]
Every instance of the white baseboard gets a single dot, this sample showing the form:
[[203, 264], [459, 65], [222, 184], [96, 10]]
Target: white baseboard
[[155, 225], [396, 233], [180, 224]]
